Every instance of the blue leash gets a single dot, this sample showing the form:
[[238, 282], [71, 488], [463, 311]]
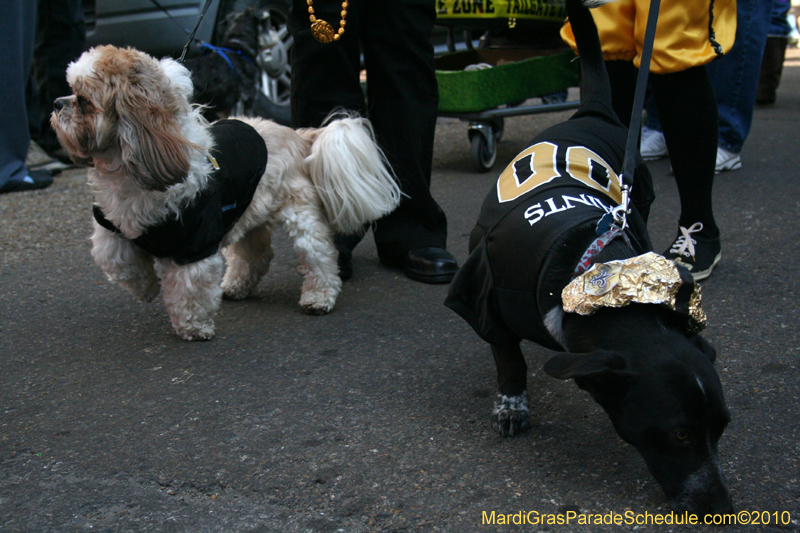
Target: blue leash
[[216, 49], [223, 52]]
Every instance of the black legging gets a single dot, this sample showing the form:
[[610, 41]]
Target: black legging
[[688, 113]]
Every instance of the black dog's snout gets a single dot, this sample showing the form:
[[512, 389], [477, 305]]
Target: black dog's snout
[[59, 104]]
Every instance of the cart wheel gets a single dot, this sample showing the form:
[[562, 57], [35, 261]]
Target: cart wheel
[[484, 151], [498, 127]]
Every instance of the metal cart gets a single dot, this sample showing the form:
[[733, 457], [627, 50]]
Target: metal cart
[[483, 85]]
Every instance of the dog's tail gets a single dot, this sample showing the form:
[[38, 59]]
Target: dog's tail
[[595, 85], [351, 173]]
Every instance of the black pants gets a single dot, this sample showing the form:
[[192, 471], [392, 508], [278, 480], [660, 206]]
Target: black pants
[[401, 101], [689, 118], [60, 38]]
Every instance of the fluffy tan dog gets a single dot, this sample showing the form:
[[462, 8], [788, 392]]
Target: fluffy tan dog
[[173, 194]]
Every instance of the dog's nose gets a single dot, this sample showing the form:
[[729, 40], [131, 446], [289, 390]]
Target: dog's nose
[[59, 104]]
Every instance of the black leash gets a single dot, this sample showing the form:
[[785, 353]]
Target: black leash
[[632, 146], [614, 223], [221, 51], [191, 34], [169, 15]]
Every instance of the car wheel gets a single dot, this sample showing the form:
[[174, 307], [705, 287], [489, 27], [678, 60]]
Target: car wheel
[[273, 58]]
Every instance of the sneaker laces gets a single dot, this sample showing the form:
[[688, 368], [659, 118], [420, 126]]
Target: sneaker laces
[[684, 244]]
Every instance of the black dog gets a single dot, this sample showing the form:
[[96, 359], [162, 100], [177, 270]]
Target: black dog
[[641, 361], [225, 75]]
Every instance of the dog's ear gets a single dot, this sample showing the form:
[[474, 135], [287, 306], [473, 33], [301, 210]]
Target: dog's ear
[[602, 373], [704, 346], [154, 151]]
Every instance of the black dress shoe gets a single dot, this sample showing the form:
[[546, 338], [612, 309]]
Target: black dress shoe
[[345, 262], [429, 265], [36, 179]]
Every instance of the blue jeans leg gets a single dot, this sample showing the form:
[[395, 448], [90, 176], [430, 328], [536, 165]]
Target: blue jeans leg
[[16, 48], [779, 25], [735, 75]]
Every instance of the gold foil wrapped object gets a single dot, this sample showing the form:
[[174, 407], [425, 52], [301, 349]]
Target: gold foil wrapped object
[[647, 279]]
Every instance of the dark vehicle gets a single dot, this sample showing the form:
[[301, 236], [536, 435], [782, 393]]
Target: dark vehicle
[[162, 27]]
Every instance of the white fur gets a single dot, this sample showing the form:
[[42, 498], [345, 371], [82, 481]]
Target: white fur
[[553, 322], [511, 415], [341, 180], [83, 67], [317, 181]]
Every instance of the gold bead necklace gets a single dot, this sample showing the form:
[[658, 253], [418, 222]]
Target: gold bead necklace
[[321, 30]]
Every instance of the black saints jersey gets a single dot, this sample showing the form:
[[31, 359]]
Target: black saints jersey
[[240, 154], [536, 224]]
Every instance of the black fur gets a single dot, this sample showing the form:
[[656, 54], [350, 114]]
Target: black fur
[[656, 383]]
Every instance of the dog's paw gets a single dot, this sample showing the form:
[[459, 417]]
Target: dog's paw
[[315, 309], [319, 302], [202, 335], [202, 332], [511, 415], [231, 292]]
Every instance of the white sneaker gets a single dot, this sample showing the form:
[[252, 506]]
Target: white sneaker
[[794, 35], [727, 161], [653, 145]]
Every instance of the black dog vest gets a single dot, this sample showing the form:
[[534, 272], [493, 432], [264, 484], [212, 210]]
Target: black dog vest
[[198, 230], [537, 223]]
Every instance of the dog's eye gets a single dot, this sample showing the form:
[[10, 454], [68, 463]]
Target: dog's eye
[[680, 436], [83, 101]]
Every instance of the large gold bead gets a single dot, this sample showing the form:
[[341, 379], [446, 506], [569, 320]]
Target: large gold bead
[[322, 31]]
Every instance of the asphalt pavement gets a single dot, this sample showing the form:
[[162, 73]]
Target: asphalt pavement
[[377, 416]]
